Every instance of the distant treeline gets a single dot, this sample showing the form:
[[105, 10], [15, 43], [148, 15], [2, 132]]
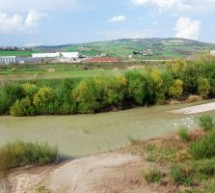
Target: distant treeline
[[88, 95]]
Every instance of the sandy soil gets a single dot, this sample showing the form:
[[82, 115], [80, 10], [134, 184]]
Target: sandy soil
[[196, 109], [105, 173]]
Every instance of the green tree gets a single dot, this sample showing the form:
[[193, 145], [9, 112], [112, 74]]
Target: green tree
[[203, 87], [176, 90]]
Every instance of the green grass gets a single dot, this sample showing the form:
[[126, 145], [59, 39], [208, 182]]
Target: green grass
[[51, 72], [16, 53], [153, 176], [206, 122], [22, 154], [189, 165], [183, 133]]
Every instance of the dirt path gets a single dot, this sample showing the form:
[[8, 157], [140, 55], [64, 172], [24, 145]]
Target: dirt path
[[105, 173], [196, 109]]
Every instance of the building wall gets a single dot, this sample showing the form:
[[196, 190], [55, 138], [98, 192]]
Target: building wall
[[212, 52], [72, 55], [8, 60], [46, 55]]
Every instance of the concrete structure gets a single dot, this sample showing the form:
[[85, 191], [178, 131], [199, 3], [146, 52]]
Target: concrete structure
[[46, 55], [70, 55], [6, 60], [212, 52]]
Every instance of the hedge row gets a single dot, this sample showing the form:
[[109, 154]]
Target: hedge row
[[136, 87]]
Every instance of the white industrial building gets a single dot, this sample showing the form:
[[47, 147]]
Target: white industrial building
[[70, 55], [46, 55], [5, 60], [65, 55], [212, 52]]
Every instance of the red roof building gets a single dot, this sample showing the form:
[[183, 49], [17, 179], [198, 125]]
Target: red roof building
[[104, 60]]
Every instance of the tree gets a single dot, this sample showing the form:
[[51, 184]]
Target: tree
[[203, 87], [176, 90]]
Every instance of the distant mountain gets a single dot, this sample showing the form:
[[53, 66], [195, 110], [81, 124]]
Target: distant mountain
[[139, 48]]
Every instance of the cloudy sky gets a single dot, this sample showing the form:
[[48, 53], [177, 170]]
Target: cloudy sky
[[51, 22]]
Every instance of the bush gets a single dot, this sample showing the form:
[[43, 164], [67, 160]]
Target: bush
[[153, 176], [176, 90], [203, 148], [203, 87], [183, 133], [194, 98], [181, 175], [29, 89], [23, 108], [8, 95], [21, 154], [206, 122], [136, 87]]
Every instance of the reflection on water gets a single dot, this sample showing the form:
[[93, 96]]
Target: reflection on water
[[79, 135]]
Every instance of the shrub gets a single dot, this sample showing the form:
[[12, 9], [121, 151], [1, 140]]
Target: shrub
[[153, 176], [8, 95], [203, 87], [177, 89], [23, 107], [29, 89], [21, 154], [136, 87], [203, 148], [181, 175], [183, 133], [194, 98], [206, 122], [87, 96], [43, 96]]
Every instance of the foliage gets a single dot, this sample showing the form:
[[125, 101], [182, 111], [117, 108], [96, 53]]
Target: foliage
[[21, 154], [8, 95], [29, 89], [43, 96], [176, 90], [137, 88], [183, 133], [203, 87], [203, 148], [206, 122], [182, 175], [153, 176], [22, 107], [180, 80]]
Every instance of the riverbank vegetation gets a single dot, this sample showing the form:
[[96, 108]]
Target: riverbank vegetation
[[142, 87], [18, 154], [182, 166]]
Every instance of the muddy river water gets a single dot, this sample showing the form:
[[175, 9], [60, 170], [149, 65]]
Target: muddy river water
[[80, 135]]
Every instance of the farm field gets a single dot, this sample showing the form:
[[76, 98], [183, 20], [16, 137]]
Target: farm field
[[16, 53], [80, 135], [51, 72]]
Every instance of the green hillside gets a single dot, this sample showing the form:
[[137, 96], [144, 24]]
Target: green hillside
[[157, 48], [153, 48]]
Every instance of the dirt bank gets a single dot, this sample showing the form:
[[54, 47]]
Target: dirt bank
[[196, 109], [105, 173]]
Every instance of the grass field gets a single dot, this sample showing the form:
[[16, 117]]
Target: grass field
[[51, 71], [16, 53]]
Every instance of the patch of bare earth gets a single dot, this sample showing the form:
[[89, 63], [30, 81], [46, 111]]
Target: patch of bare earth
[[196, 109], [104, 173]]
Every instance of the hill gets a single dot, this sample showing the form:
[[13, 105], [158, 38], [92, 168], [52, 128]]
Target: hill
[[150, 48], [156, 48]]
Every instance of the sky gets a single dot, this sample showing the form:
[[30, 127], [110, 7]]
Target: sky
[[55, 22]]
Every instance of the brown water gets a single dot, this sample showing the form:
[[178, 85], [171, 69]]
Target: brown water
[[79, 135]]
